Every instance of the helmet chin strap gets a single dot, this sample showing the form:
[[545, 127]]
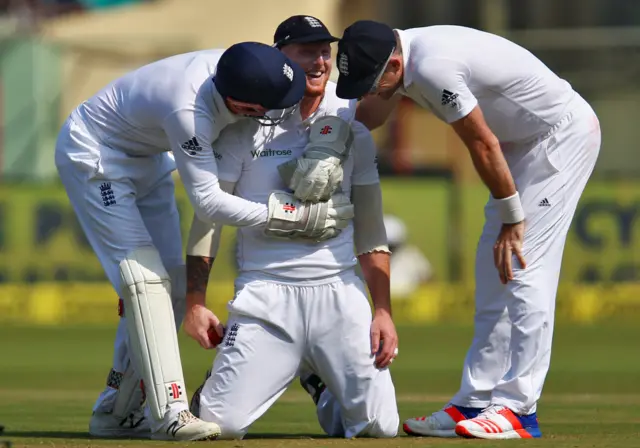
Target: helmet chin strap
[[267, 120]]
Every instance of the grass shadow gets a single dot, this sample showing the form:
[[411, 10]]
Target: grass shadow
[[258, 435], [48, 434]]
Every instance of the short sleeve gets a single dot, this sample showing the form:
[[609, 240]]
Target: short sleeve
[[443, 83], [365, 166], [347, 111]]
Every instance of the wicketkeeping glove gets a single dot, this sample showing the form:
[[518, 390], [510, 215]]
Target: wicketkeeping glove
[[318, 173], [291, 218]]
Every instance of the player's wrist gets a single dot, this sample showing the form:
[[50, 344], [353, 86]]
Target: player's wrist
[[196, 300], [382, 310], [510, 209]]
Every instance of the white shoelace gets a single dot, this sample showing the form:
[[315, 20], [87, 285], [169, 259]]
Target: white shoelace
[[490, 411]]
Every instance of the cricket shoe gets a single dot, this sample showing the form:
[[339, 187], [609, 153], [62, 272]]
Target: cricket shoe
[[186, 427], [499, 422], [313, 385], [194, 405], [441, 423], [107, 425]]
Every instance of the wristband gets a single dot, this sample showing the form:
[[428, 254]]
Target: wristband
[[511, 211]]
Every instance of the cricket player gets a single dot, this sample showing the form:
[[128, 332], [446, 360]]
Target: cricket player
[[112, 158], [299, 308], [534, 142]]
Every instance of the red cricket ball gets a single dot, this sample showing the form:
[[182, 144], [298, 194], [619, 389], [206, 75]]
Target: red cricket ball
[[214, 337]]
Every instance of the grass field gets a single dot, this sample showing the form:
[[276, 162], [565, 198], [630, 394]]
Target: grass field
[[49, 378]]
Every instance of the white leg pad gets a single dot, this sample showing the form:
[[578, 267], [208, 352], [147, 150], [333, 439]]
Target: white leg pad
[[151, 325]]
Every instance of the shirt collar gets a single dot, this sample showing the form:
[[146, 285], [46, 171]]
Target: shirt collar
[[315, 113], [405, 42], [221, 110]]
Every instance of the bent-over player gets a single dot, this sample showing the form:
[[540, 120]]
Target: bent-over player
[[534, 142]]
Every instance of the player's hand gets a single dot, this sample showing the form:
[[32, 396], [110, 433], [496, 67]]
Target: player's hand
[[197, 322], [318, 174], [315, 180], [292, 219], [509, 243], [384, 339]]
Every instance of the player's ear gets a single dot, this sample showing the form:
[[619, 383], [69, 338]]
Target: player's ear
[[394, 66]]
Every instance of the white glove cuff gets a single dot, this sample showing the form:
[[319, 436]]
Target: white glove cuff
[[510, 208]]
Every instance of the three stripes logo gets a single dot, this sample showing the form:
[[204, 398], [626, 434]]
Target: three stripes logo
[[544, 203], [449, 98], [192, 146]]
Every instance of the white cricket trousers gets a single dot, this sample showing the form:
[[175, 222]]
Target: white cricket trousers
[[275, 331], [121, 203], [511, 350]]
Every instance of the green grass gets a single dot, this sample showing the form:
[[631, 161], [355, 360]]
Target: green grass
[[49, 378]]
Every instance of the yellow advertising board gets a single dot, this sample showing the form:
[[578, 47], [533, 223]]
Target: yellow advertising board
[[49, 274]]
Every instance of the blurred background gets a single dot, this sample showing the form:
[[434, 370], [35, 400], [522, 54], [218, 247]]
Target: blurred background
[[56, 53]]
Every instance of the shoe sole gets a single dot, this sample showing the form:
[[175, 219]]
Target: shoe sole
[[441, 433], [213, 435], [517, 434]]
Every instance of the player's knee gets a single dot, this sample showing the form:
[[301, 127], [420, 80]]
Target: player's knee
[[233, 425], [384, 426], [232, 430]]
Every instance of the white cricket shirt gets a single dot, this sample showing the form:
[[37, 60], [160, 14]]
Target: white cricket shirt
[[171, 105], [249, 156], [451, 69]]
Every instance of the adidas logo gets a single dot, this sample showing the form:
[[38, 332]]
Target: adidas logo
[[191, 146], [544, 203], [449, 98]]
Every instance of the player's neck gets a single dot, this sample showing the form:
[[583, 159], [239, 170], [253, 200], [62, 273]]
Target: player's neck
[[309, 105]]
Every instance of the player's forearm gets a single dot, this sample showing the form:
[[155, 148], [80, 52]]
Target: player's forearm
[[492, 168], [376, 268], [224, 208], [204, 237], [209, 200], [198, 270]]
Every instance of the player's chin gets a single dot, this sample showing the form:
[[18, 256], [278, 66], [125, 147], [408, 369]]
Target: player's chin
[[316, 86]]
